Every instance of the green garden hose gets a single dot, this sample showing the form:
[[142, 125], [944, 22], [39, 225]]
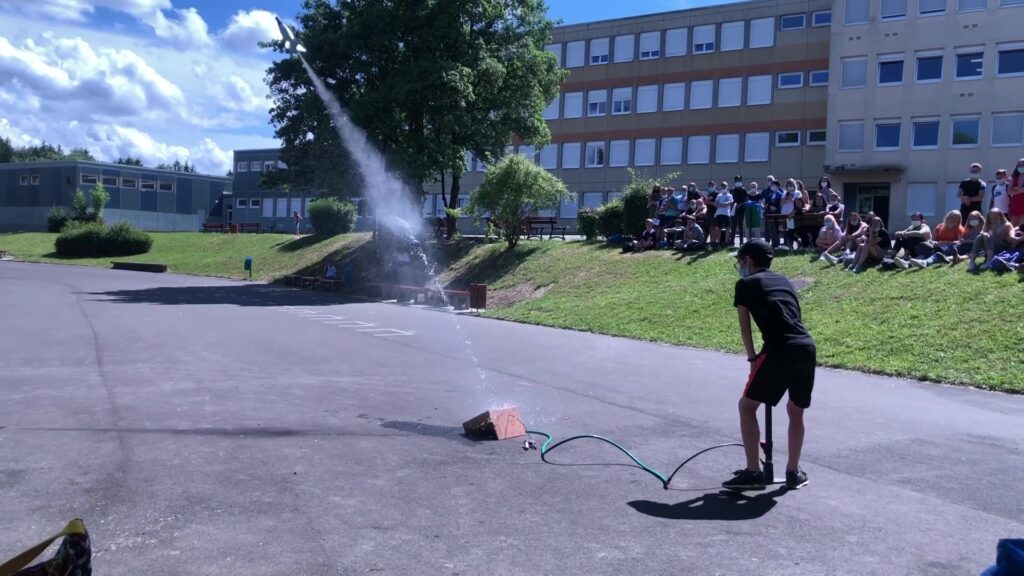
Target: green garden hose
[[547, 447]]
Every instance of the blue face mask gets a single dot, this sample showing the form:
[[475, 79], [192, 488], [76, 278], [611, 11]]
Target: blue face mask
[[744, 271]]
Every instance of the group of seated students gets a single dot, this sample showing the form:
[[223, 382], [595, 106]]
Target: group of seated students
[[783, 213], [863, 244]]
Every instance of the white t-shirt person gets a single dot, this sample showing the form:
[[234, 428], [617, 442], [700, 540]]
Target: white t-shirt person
[[1000, 195], [724, 203]]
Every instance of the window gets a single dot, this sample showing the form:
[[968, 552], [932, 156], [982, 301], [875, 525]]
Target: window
[[622, 101], [530, 152], [130, 183], [1008, 129], [470, 160], [1010, 2], [643, 152], [549, 157], [23, 180], [574, 54], [887, 135], [254, 166], [110, 181], [571, 155], [890, 70], [167, 186], [851, 136], [928, 7], [856, 12], [755, 148], [269, 166], [791, 80], [733, 35], [242, 203], [965, 131], [704, 39], [969, 62], [555, 49], [595, 154], [971, 5], [254, 203], [926, 134], [671, 151], [759, 90], [762, 32], [573, 105], [818, 78], [597, 103], [894, 9], [793, 21], [1010, 61], [822, 18], [35, 180], [698, 150], [787, 138], [921, 198], [646, 99], [700, 94], [551, 112], [730, 92], [650, 45], [929, 67], [268, 207], [854, 72], [675, 42], [675, 97], [242, 167], [147, 185], [727, 148], [598, 51], [593, 199], [624, 48], [282, 207], [816, 137], [619, 153]]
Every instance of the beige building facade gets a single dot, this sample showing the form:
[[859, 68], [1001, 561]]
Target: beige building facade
[[920, 90]]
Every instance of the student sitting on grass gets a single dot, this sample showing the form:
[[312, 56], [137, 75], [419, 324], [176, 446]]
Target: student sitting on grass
[[875, 244], [800, 233], [647, 238], [973, 229], [830, 237], [944, 241], [849, 239], [908, 240], [996, 237], [693, 236]]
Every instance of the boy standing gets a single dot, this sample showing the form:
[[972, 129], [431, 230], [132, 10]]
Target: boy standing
[[786, 362]]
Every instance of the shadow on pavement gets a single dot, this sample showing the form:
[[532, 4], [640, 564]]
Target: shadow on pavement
[[431, 430], [721, 505], [241, 295]]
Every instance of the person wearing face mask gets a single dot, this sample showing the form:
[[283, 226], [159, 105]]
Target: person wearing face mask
[[972, 191], [1001, 192], [945, 238], [975, 226], [786, 362], [692, 236], [739, 197], [908, 240], [829, 237], [996, 237], [709, 195], [825, 187], [874, 246], [753, 211], [723, 215], [772, 211], [835, 207], [1017, 194]]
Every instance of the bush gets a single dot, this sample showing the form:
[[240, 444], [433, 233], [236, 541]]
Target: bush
[[79, 239], [634, 211], [610, 219], [330, 216], [56, 219], [588, 223], [123, 239], [92, 239]]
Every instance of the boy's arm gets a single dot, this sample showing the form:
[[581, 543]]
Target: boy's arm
[[745, 334]]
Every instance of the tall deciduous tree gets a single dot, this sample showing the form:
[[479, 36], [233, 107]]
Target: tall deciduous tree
[[428, 80]]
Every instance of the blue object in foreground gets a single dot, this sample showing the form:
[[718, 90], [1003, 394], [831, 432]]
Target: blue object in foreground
[[1009, 558]]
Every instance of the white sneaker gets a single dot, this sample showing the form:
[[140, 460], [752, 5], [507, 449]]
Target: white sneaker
[[830, 258], [901, 263], [918, 263]]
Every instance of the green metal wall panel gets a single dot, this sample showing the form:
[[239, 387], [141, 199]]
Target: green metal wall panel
[[165, 202], [129, 199]]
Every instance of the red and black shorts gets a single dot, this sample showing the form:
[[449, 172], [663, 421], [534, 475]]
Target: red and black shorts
[[780, 369]]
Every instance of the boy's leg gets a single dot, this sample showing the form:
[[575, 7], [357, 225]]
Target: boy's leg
[[796, 435], [750, 430]]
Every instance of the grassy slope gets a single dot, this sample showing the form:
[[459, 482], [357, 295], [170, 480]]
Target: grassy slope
[[938, 324], [274, 255]]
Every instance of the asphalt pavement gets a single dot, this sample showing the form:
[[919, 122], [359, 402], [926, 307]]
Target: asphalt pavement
[[204, 426]]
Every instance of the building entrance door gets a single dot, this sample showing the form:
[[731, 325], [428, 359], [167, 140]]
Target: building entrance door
[[868, 198]]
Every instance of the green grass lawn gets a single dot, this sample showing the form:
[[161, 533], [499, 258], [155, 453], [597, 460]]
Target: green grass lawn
[[938, 324], [274, 255]]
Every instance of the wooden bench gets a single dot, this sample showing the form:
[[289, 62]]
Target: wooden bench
[[310, 282], [249, 227], [330, 284], [213, 228], [293, 280], [536, 225], [431, 295]]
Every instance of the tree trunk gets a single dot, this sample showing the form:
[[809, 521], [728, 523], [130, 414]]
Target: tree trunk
[[453, 203]]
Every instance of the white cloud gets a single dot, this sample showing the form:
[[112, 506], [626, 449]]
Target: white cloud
[[246, 29], [238, 95]]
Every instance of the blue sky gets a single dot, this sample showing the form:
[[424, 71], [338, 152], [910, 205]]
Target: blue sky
[[164, 79]]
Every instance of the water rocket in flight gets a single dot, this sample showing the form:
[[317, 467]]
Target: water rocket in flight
[[291, 43]]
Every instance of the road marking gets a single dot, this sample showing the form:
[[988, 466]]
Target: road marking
[[322, 316], [391, 332], [352, 324]]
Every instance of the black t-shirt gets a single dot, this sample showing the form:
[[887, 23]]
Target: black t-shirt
[[711, 203], [739, 194], [971, 187], [692, 194], [773, 303], [884, 240]]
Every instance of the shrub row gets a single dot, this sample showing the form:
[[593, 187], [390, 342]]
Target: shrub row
[[93, 239], [330, 216]]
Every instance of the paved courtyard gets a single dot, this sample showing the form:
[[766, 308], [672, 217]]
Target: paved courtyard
[[203, 426]]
